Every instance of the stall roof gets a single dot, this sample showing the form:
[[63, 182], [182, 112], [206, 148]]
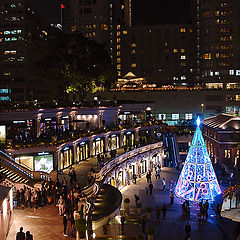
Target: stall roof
[[3, 193], [223, 121]]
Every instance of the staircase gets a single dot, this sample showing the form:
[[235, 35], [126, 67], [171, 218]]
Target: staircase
[[13, 171]]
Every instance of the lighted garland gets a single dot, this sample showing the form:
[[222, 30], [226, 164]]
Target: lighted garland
[[230, 190]]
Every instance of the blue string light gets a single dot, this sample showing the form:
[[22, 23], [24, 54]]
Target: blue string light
[[197, 180]]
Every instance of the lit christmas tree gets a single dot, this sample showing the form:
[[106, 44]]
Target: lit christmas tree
[[197, 180]]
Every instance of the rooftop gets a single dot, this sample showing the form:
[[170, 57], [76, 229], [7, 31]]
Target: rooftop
[[223, 121]]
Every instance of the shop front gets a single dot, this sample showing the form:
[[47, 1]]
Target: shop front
[[66, 157], [82, 151], [98, 146], [128, 139], [113, 142], [48, 126], [142, 166], [42, 161]]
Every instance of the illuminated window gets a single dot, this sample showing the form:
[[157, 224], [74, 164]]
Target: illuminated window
[[165, 44], [175, 116], [118, 66], [118, 26], [237, 72], [183, 57], [182, 50], [231, 72], [94, 26], [237, 97], [118, 53], [119, 73], [188, 116], [217, 55], [175, 50], [183, 64], [10, 52], [162, 116], [133, 51], [73, 28], [4, 90], [6, 73], [133, 45], [183, 30], [207, 56], [118, 60], [118, 40], [118, 46], [124, 32], [183, 77], [190, 30], [214, 85], [5, 98], [105, 27], [206, 14], [134, 65], [227, 153], [118, 33]]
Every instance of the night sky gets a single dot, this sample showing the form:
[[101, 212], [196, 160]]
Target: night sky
[[144, 11]]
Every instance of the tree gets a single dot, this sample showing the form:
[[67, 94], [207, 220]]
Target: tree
[[82, 64]]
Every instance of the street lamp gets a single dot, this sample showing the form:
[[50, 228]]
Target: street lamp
[[202, 108]]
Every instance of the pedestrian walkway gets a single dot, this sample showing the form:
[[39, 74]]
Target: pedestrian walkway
[[173, 226], [82, 168]]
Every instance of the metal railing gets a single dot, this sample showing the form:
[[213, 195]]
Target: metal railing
[[10, 163], [124, 157]]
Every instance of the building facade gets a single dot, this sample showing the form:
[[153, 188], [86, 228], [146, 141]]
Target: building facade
[[220, 136], [22, 45], [217, 43], [163, 54]]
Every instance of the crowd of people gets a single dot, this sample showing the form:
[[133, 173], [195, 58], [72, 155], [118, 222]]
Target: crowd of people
[[69, 198]]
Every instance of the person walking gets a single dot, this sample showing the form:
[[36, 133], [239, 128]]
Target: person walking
[[123, 219], [164, 211], [135, 178], [171, 198], [29, 236], [158, 212], [146, 188], [65, 221], [206, 206], [136, 198], [164, 183], [20, 234], [187, 230], [150, 188], [61, 205]]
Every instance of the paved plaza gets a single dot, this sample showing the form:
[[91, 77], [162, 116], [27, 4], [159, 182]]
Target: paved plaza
[[46, 224]]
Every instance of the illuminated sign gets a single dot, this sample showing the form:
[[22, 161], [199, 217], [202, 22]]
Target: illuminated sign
[[43, 153], [66, 148], [18, 121], [43, 163], [2, 134]]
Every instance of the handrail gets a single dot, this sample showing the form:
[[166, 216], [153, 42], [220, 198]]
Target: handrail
[[10, 159], [16, 168], [125, 156]]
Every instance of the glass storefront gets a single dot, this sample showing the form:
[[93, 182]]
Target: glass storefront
[[66, 157], [113, 142], [98, 146], [128, 139], [43, 161], [82, 151]]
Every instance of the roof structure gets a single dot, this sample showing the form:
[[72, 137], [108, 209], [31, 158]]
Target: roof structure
[[223, 121], [3, 193]]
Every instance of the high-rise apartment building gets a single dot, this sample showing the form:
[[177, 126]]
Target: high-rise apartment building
[[98, 20], [218, 43], [163, 54], [22, 44]]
